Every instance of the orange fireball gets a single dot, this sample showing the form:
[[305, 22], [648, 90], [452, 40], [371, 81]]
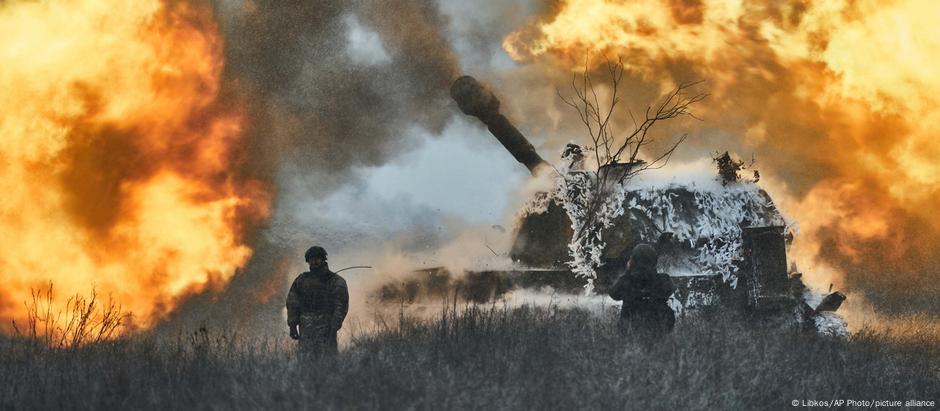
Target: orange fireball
[[118, 161]]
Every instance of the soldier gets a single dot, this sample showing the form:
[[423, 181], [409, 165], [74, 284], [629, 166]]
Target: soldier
[[644, 293], [316, 305]]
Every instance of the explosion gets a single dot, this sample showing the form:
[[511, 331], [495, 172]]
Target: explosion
[[839, 97], [118, 158]]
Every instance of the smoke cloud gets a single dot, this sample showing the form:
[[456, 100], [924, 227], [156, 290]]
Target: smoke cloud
[[331, 87]]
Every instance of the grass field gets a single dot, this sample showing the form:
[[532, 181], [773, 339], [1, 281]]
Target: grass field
[[479, 358]]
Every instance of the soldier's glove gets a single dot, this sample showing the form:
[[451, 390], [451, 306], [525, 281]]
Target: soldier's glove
[[294, 334]]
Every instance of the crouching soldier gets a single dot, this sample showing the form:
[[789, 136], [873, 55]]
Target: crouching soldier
[[644, 293], [316, 305]]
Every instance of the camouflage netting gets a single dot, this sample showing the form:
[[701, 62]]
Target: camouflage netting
[[702, 225], [697, 227]]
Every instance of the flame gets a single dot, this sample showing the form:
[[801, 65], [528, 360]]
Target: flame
[[837, 98], [118, 159]]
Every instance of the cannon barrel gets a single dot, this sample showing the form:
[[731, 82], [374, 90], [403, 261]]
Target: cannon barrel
[[475, 100]]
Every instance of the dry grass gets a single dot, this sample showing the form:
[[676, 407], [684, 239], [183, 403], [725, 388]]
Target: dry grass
[[476, 357], [83, 320]]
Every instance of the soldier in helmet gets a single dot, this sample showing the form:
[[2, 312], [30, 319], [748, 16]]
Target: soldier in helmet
[[644, 293], [316, 305]]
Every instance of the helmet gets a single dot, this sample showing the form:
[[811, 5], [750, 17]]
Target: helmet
[[315, 251], [644, 256]]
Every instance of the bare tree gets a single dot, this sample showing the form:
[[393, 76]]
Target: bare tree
[[616, 157], [610, 149]]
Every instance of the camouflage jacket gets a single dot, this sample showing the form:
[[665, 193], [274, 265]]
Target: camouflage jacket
[[323, 294]]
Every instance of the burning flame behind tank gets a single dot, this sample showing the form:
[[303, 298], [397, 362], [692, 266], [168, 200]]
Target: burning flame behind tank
[[117, 158], [853, 140]]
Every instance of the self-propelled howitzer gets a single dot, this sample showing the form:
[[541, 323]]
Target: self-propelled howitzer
[[723, 244]]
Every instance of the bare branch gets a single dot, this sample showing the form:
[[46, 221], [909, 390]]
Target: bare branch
[[598, 119]]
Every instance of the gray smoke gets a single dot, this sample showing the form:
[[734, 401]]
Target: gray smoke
[[316, 105], [330, 86]]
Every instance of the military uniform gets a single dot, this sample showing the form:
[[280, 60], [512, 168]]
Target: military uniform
[[317, 304], [644, 293]]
